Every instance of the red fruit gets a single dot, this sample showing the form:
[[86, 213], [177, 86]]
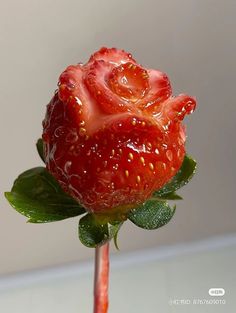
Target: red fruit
[[113, 132]]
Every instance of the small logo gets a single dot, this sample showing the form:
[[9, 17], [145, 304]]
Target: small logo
[[216, 292]]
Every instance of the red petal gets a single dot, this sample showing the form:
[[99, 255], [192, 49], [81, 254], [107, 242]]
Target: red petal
[[176, 108], [80, 106], [96, 82], [160, 90], [111, 55], [129, 81]]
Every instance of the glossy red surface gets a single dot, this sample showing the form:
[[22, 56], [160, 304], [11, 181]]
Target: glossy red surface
[[113, 132]]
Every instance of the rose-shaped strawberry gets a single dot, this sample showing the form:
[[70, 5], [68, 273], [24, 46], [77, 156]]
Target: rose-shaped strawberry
[[113, 132]]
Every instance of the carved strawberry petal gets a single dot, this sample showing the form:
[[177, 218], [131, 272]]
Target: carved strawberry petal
[[160, 90], [129, 81], [111, 55], [96, 83]]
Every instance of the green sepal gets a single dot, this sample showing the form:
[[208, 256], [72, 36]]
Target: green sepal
[[152, 214], [37, 195], [168, 196], [93, 233], [39, 146], [183, 176], [115, 239]]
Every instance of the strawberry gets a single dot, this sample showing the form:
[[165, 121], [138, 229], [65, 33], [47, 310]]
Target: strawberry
[[113, 132]]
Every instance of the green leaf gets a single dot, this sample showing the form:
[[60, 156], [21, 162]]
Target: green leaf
[[39, 146], [115, 238], [93, 233], [169, 196], [152, 214], [183, 176], [37, 195]]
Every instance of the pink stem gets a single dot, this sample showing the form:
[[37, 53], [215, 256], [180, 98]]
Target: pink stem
[[101, 279]]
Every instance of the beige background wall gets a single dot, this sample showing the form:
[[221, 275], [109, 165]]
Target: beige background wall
[[193, 41]]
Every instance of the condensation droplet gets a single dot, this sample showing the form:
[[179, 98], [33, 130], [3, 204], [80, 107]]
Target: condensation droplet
[[67, 166], [133, 122], [116, 166], [78, 101], [71, 137], [149, 145], [59, 131]]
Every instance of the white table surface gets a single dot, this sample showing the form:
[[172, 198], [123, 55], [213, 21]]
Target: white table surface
[[144, 281]]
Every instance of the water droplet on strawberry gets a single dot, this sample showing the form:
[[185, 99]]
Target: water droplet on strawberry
[[67, 167], [71, 137], [59, 131]]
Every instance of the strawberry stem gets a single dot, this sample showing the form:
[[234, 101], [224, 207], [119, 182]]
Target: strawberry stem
[[101, 279]]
